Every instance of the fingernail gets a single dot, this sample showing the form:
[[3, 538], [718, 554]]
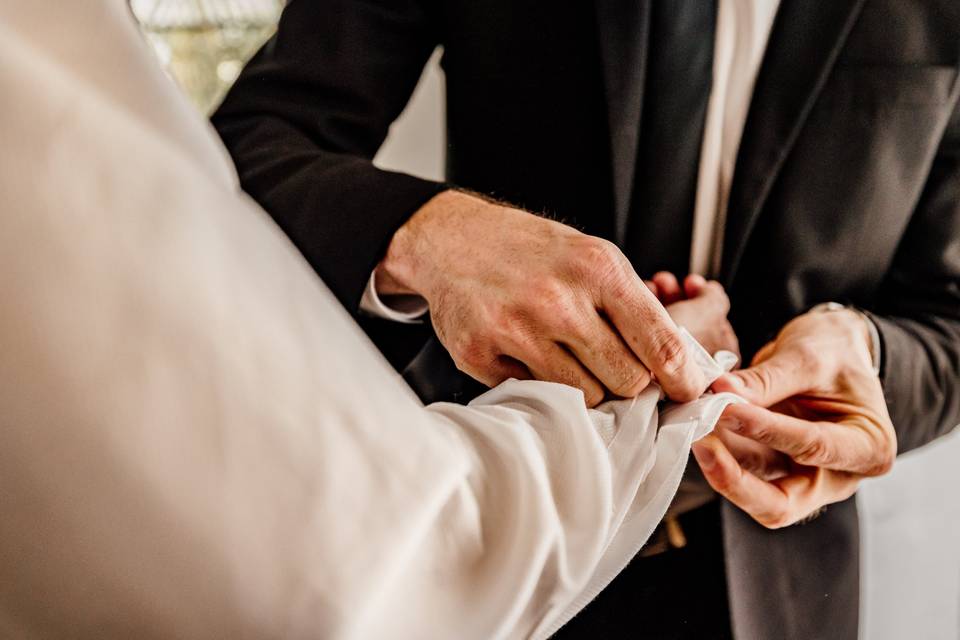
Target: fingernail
[[706, 458]]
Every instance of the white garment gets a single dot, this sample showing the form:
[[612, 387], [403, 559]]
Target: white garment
[[197, 442], [743, 28], [408, 309]]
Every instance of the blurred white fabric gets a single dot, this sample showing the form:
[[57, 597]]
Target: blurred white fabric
[[198, 442], [911, 556]]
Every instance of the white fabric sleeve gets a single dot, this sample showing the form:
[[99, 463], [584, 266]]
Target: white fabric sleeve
[[195, 439], [405, 309]]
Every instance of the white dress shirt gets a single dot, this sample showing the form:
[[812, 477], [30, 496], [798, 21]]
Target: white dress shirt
[[198, 442], [743, 28]]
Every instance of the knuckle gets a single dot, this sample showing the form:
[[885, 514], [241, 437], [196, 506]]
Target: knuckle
[[879, 469], [777, 516], [501, 323], [567, 322], [628, 380], [542, 289], [630, 293], [570, 378], [671, 360], [723, 483], [776, 520], [549, 299], [722, 299], [635, 380], [599, 258], [470, 350], [669, 353], [510, 328], [884, 461], [497, 318], [765, 379], [815, 451], [592, 394], [757, 431], [762, 379], [553, 305]]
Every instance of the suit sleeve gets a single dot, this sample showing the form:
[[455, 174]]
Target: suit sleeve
[[918, 314], [306, 117]]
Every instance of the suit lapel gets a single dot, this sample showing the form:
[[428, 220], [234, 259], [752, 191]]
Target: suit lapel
[[804, 44], [623, 27]]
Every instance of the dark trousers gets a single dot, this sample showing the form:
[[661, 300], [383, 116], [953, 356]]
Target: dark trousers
[[678, 594]]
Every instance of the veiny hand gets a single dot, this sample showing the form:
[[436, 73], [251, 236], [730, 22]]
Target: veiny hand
[[700, 306], [515, 295], [826, 428]]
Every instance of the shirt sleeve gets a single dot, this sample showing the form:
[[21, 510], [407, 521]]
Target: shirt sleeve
[[198, 441], [404, 309]]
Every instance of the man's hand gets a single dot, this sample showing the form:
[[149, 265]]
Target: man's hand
[[512, 294], [699, 306], [826, 428]]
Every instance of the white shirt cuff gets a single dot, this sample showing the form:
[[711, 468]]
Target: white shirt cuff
[[408, 309]]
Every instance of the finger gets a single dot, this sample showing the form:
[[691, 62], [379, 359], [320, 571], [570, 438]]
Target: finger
[[608, 358], [668, 287], [653, 287], [765, 502], [693, 284], [761, 460], [508, 368], [647, 329], [838, 446], [730, 343], [777, 503], [495, 369], [777, 378], [551, 362], [713, 293], [814, 488]]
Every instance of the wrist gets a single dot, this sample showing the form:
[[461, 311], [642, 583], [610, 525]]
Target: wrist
[[854, 326], [385, 282], [405, 309], [397, 272], [411, 259]]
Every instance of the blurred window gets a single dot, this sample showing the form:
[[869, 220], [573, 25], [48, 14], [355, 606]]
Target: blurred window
[[203, 44]]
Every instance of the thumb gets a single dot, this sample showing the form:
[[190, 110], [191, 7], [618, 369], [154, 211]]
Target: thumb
[[777, 378]]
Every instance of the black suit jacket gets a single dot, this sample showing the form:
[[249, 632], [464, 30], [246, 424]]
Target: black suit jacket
[[847, 188]]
